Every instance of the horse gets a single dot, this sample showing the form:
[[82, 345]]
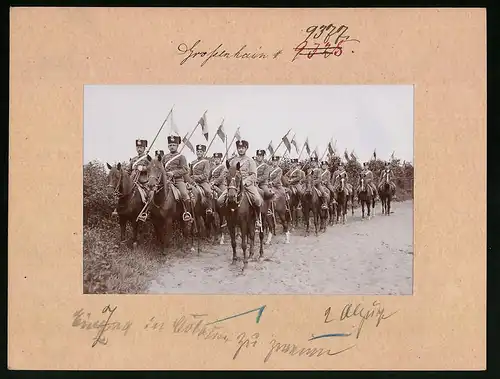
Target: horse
[[278, 206], [342, 198], [165, 208], [311, 202], [213, 221], [365, 198], [239, 212], [130, 203], [385, 193]]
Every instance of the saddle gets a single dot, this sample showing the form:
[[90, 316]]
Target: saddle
[[176, 192], [320, 194]]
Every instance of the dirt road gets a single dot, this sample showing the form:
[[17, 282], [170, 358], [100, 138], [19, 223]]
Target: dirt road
[[363, 257]]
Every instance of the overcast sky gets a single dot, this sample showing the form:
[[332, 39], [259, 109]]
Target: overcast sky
[[357, 117]]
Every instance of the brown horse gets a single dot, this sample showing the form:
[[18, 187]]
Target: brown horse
[[342, 198], [213, 221], [165, 208], [238, 212], [311, 202], [278, 207], [365, 197], [129, 200], [385, 193]]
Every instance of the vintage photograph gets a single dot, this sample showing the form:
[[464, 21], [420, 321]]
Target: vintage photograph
[[222, 189]]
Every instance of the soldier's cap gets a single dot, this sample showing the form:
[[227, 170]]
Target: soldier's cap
[[217, 155], [314, 159], [261, 153], [275, 158], [294, 160], [365, 163], [141, 142], [201, 148], [324, 163], [242, 143], [387, 164], [159, 152], [174, 139]]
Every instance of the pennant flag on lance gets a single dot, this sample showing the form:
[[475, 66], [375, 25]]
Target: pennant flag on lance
[[375, 154], [331, 151], [270, 148], [188, 144], [287, 143], [392, 155], [308, 148], [220, 132], [346, 156], [295, 144], [204, 125], [353, 156], [237, 134], [173, 125]]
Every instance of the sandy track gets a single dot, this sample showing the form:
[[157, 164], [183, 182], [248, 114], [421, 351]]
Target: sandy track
[[361, 257]]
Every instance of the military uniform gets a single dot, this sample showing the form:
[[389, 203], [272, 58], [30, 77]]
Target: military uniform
[[248, 171], [200, 172], [318, 182], [218, 176], [176, 167], [367, 175], [387, 172], [326, 179], [336, 177], [138, 165], [263, 170], [275, 174], [296, 177]]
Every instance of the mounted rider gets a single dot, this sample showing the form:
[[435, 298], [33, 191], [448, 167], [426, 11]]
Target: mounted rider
[[295, 177], [218, 174], [387, 175], [200, 173], [263, 171], [275, 175], [138, 171], [176, 168], [337, 175], [248, 171], [318, 182], [367, 175], [326, 178]]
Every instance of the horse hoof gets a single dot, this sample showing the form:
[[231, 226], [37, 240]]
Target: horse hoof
[[192, 250], [134, 245]]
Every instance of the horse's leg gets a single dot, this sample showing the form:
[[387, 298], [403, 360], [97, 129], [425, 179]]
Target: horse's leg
[[270, 225], [168, 230], [244, 236], [284, 222], [305, 215], [316, 217], [123, 229], [389, 205], [231, 227], [135, 232], [251, 239]]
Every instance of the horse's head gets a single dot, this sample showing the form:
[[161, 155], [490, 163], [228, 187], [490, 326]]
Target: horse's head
[[115, 177], [234, 182], [342, 182], [156, 174], [309, 184]]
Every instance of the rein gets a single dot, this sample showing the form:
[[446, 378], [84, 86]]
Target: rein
[[119, 186]]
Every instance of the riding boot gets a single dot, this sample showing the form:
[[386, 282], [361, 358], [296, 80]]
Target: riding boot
[[258, 223], [324, 205]]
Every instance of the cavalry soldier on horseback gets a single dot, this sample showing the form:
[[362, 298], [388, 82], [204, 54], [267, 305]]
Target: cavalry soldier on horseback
[[295, 177], [275, 175], [248, 171], [340, 172], [218, 175], [367, 175], [326, 179], [316, 173], [200, 172], [177, 170], [388, 174], [263, 170], [137, 169]]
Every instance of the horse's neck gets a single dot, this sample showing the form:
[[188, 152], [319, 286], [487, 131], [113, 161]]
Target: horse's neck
[[127, 183]]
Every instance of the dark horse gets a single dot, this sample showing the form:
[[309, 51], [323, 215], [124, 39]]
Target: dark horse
[[278, 207], [129, 199], [165, 208], [239, 212], [342, 198], [311, 202], [385, 193], [365, 197]]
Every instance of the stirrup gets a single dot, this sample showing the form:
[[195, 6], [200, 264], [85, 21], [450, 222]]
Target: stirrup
[[224, 224], [269, 212], [142, 217], [186, 217], [209, 211], [115, 213], [324, 206]]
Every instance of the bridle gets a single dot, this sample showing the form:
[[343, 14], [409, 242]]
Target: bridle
[[232, 185], [116, 189]]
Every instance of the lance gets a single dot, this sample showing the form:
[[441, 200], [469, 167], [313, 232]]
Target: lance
[[213, 138], [275, 150], [301, 151], [161, 127], [323, 156], [227, 147], [192, 132]]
